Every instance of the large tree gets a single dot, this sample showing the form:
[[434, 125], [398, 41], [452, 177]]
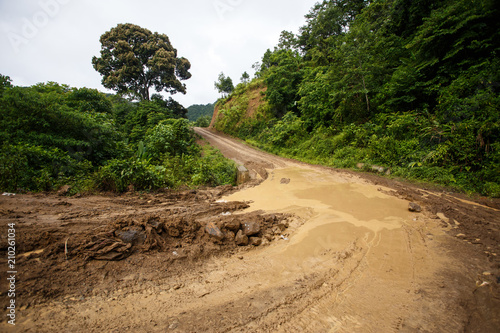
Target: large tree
[[134, 59]]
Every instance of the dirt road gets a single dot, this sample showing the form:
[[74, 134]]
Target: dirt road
[[339, 252]]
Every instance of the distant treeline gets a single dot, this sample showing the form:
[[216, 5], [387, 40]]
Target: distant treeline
[[198, 110]]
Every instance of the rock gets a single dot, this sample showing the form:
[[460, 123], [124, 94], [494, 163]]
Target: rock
[[413, 207], [233, 225], [135, 235], [271, 218], [194, 226], [241, 239], [64, 190], [443, 217], [285, 181], [174, 325], [378, 168], [250, 228], [214, 231], [360, 165], [230, 235], [282, 226], [255, 241], [156, 224], [243, 175], [276, 230], [269, 236]]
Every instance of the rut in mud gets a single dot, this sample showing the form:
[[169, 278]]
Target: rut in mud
[[336, 252]]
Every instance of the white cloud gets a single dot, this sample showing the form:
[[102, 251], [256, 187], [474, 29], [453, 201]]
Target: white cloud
[[55, 40]]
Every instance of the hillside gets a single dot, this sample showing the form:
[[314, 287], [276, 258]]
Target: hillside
[[199, 110], [240, 109], [409, 89]]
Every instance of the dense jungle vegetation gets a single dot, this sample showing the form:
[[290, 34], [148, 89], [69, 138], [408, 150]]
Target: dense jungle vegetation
[[53, 135], [408, 85], [201, 114]]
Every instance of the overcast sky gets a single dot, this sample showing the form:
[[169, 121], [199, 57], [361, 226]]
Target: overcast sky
[[55, 40]]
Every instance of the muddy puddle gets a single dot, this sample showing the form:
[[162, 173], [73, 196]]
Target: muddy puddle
[[326, 201], [330, 197], [336, 215]]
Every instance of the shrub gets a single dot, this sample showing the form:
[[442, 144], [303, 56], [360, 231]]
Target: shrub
[[36, 168], [118, 175], [170, 137]]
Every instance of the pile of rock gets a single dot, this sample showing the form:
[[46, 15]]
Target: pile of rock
[[246, 233]]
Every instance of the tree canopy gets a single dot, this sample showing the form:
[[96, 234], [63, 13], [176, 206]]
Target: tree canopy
[[134, 59], [224, 85]]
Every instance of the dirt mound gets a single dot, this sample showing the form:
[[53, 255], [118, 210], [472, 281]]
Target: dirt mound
[[71, 240]]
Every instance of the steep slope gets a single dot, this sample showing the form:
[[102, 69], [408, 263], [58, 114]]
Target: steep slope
[[245, 104]]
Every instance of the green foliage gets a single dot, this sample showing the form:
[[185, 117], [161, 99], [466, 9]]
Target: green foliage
[[43, 115], [287, 132], [327, 21], [224, 85], [134, 59], [26, 167], [118, 175], [229, 117], [203, 121], [233, 109], [53, 135], [89, 100], [197, 111], [282, 79], [147, 114], [245, 78], [408, 85], [170, 138], [209, 168], [5, 83]]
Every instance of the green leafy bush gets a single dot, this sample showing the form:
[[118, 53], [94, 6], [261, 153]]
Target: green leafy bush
[[170, 138], [210, 169], [53, 135], [35, 168], [118, 175]]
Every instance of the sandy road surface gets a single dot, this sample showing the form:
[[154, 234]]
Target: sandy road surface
[[352, 259]]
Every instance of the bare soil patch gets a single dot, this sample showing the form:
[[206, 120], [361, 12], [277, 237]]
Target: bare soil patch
[[78, 247]]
